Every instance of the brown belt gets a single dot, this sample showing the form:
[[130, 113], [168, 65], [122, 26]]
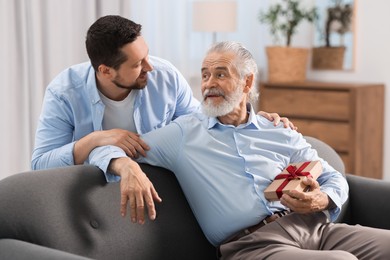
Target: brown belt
[[262, 223]]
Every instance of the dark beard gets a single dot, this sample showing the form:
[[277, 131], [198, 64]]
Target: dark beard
[[136, 85]]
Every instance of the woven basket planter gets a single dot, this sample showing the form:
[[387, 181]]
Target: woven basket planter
[[286, 64], [331, 58]]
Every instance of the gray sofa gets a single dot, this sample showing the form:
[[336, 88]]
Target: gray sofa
[[72, 213]]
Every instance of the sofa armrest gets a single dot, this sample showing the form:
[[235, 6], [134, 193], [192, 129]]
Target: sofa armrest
[[17, 249], [368, 202]]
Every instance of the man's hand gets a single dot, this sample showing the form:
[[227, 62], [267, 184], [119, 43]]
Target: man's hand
[[128, 141], [306, 202], [274, 117], [136, 190]]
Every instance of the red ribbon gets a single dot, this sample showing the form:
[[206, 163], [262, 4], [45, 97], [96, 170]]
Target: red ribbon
[[293, 173]]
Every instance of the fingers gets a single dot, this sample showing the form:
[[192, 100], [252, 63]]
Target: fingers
[[306, 202], [266, 115], [135, 146], [151, 207], [129, 142], [124, 199], [155, 195], [296, 202], [287, 123], [132, 201], [293, 127], [137, 209], [150, 202], [137, 206], [311, 182], [274, 117], [140, 209], [138, 198], [133, 209]]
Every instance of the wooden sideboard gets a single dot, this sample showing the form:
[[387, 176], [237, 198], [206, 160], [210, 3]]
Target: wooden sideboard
[[348, 117]]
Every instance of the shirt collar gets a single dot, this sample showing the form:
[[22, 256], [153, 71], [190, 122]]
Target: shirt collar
[[92, 86], [252, 120]]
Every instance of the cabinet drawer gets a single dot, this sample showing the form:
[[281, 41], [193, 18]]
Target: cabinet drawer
[[336, 134], [321, 104]]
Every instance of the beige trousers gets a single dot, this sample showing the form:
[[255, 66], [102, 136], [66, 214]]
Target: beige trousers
[[310, 236]]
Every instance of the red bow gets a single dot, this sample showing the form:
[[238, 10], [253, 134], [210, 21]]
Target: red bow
[[293, 173]]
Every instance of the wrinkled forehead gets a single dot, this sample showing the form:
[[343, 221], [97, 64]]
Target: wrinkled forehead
[[218, 60]]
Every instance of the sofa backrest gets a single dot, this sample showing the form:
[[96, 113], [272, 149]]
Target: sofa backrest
[[73, 209]]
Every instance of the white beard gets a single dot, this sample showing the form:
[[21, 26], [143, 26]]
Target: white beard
[[227, 106]]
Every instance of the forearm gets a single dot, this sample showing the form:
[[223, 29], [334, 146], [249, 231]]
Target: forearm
[[43, 158], [84, 146]]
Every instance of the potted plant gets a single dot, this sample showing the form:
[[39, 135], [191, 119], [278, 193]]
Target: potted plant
[[286, 63], [338, 20]]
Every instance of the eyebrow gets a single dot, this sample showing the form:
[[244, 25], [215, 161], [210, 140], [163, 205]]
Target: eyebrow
[[217, 68]]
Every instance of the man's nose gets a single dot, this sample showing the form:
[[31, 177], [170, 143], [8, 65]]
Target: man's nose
[[146, 66], [210, 82]]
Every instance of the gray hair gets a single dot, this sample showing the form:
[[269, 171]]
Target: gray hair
[[244, 63]]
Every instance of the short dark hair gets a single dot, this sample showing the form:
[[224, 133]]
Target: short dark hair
[[107, 36]]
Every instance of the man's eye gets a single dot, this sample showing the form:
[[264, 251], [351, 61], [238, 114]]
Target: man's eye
[[138, 64], [205, 76], [221, 75]]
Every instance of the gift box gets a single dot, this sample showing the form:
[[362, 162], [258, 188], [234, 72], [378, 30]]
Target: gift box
[[291, 179]]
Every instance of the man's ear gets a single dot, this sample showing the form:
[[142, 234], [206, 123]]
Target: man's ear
[[105, 71], [248, 83]]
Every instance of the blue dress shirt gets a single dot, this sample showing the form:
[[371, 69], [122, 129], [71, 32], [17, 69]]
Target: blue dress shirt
[[72, 108], [223, 170]]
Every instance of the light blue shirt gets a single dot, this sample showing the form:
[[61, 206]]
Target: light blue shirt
[[72, 108], [223, 170]]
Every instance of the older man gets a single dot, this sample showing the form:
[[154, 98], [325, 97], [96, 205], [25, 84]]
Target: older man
[[226, 156]]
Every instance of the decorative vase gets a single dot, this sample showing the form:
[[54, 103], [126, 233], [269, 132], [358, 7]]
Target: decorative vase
[[328, 58], [287, 64]]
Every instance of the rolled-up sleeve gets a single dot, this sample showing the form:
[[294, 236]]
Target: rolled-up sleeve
[[102, 156]]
